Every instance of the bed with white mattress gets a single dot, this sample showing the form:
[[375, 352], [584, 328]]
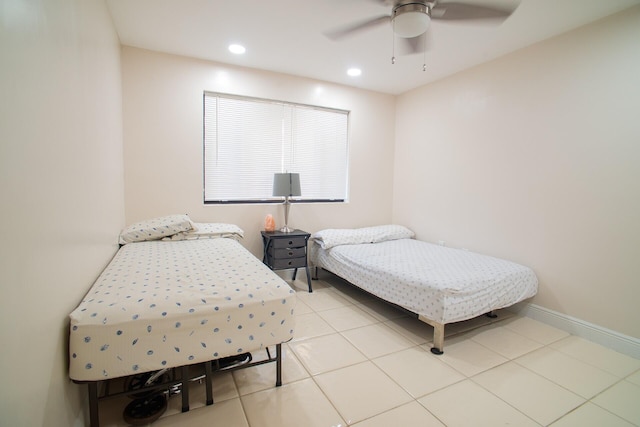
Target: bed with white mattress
[[176, 297], [438, 284]]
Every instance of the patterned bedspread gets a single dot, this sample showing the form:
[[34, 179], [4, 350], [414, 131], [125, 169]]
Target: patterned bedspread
[[171, 303], [443, 284]]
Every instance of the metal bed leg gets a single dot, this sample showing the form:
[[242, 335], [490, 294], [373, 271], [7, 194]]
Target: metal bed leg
[[278, 365], [185, 388], [94, 416], [207, 376], [438, 339], [438, 334]]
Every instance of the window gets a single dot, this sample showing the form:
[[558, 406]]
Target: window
[[247, 140]]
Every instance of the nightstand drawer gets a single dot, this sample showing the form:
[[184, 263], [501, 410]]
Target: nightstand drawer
[[289, 242], [288, 263], [287, 253]]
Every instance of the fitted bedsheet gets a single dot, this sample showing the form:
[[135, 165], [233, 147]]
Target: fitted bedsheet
[[442, 284], [162, 304]]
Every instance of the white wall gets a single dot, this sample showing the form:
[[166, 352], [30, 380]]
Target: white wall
[[162, 102], [534, 157], [62, 193]]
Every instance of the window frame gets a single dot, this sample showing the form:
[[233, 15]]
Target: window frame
[[274, 199]]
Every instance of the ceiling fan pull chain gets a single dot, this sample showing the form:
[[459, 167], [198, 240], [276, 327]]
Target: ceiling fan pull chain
[[393, 45], [424, 52]]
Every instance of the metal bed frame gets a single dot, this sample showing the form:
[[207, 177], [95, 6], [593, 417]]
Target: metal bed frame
[[180, 380], [438, 328]]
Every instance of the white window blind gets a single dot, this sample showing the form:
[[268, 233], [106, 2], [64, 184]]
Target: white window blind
[[247, 140]]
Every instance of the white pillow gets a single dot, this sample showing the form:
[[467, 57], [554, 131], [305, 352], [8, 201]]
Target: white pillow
[[155, 228], [209, 230], [334, 237]]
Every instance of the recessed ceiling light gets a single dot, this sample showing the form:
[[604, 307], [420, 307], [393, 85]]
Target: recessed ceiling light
[[237, 49], [354, 72]]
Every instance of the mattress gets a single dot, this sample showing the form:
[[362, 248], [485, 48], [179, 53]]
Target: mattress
[[162, 304], [442, 284]]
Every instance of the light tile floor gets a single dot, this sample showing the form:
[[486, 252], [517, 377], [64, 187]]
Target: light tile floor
[[358, 361]]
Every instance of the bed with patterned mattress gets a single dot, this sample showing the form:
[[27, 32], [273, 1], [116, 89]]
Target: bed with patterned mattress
[[175, 296], [438, 284]]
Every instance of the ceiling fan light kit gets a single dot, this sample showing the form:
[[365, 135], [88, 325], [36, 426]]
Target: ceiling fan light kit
[[410, 19]]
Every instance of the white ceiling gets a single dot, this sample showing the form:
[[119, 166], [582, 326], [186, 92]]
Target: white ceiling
[[287, 35]]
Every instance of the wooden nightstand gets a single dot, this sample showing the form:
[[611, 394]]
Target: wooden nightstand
[[286, 250]]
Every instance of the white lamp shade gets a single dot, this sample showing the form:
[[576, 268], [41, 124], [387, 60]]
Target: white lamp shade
[[410, 20], [286, 184]]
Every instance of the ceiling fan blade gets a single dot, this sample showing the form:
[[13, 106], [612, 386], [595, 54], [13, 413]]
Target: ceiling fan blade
[[384, 2], [342, 32], [455, 11]]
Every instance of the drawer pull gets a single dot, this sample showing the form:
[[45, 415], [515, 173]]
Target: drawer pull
[[290, 262], [291, 242], [290, 253]]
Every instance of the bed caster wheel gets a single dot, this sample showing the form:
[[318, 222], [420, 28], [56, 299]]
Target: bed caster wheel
[[136, 382], [436, 351], [146, 410]]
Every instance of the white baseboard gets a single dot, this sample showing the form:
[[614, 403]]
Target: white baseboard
[[598, 334]]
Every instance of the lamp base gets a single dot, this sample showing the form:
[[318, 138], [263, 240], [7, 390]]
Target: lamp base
[[287, 205]]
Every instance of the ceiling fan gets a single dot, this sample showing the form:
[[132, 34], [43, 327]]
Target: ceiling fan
[[410, 19]]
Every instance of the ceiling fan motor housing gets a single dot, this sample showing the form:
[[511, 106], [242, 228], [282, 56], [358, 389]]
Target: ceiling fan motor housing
[[411, 19]]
